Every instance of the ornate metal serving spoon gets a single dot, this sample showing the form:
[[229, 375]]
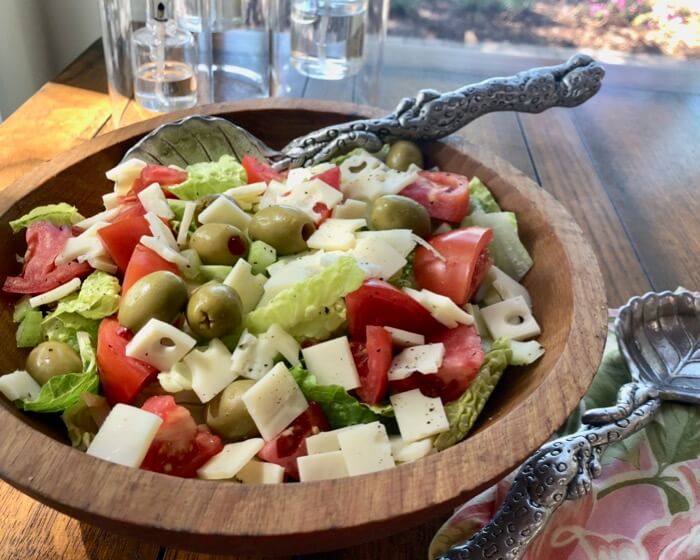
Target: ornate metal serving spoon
[[429, 116], [659, 336]]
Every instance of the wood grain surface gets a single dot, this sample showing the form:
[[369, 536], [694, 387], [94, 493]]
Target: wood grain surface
[[598, 138]]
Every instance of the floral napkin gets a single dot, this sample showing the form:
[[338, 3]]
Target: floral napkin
[[646, 504]]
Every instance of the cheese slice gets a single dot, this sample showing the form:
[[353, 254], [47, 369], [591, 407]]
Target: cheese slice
[[253, 357], [506, 287], [511, 318], [323, 466], [442, 308], [104, 217], [246, 196], [99, 262], [378, 258], [125, 174], [160, 344], [125, 436], [336, 235], [366, 448], [57, 293], [365, 177], [187, 217], [225, 211], [405, 452], [160, 231], [401, 240], [274, 189], [259, 472], [298, 175], [284, 343], [166, 252], [87, 243], [153, 200], [19, 385], [274, 402], [323, 442], [426, 358], [308, 194], [210, 370], [331, 362], [351, 209], [405, 339], [111, 200], [418, 416], [247, 285], [230, 460]]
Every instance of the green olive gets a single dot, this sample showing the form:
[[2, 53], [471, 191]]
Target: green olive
[[158, 295], [221, 244], [50, 359], [286, 228], [214, 310], [393, 211], [228, 416], [402, 154]]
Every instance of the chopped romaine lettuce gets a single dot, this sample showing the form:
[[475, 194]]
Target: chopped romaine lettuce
[[480, 197], [508, 252], [84, 419], [404, 278], [260, 256], [29, 332], [210, 178], [98, 298], [66, 327], [463, 412], [61, 214], [312, 308], [341, 408], [21, 308], [214, 272]]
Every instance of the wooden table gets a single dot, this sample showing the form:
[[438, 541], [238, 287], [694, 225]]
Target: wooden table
[[626, 165]]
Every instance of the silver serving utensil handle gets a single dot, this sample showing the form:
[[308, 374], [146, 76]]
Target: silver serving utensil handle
[[659, 336], [432, 115]]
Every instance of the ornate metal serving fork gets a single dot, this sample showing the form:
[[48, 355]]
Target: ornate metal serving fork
[[659, 337]]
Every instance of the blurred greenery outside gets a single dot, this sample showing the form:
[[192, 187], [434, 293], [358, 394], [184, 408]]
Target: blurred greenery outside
[[666, 27]]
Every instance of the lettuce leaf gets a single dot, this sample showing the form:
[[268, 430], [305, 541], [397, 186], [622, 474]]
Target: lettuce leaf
[[480, 197], [84, 419], [311, 309], [29, 333], [463, 412], [405, 278], [66, 327], [210, 178], [341, 408], [98, 298], [61, 214]]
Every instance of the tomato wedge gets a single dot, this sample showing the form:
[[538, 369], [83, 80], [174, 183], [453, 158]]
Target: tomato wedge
[[379, 303], [40, 274], [121, 238], [463, 358], [287, 447], [373, 362], [164, 176], [144, 261], [121, 377], [258, 172], [465, 265], [444, 195], [180, 447], [330, 177]]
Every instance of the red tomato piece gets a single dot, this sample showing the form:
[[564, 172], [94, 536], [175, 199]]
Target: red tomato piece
[[374, 378], [40, 274], [330, 177], [164, 176], [258, 171], [287, 447], [121, 237], [180, 447], [323, 212], [121, 377], [144, 261], [379, 303], [459, 275], [444, 195]]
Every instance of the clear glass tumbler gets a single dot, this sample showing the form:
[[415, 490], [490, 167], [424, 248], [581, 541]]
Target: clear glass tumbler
[[115, 16]]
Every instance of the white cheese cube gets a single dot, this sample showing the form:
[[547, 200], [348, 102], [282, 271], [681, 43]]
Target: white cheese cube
[[350, 210], [187, 217], [331, 363], [418, 416], [324, 466], [259, 472], [365, 177], [298, 175], [308, 194], [404, 338], [366, 448], [247, 285], [179, 378], [210, 370], [284, 343], [246, 196], [274, 189], [225, 211], [336, 235], [511, 318], [274, 402], [125, 435], [404, 452], [506, 287], [153, 200], [525, 353], [160, 345], [426, 358], [230, 460], [160, 231], [125, 174], [401, 240], [323, 442], [442, 308], [381, 257], [253, 357], [19, 385]]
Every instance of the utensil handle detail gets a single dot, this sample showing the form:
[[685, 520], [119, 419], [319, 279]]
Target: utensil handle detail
[[432, 115], [562, 469]]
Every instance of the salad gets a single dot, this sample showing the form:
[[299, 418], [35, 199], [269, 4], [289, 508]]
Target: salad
[[229, 322]]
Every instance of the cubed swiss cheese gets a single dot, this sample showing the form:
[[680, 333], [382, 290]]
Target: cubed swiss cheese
[[404, 338], [442, 308], [224, 211], [511, 318], [153, 200], [322, 466], [506, 287], [246, 196], [274, 401], [125, 174], [323, 442], [426, 358], [405, 452], [160, 344], [350, 210], [249, 286], [87, 243], [331, 363], [259, 472], [230, 460], [298, 175], [253, 357], [210, 370], [125, 435], [19, 385], [418, 416], [336, 235], [366, 448], [378, 258], [401, 240], [365, 177], [307, 195]]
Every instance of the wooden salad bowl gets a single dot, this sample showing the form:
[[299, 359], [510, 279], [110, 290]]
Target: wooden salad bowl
[[528, 406]]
